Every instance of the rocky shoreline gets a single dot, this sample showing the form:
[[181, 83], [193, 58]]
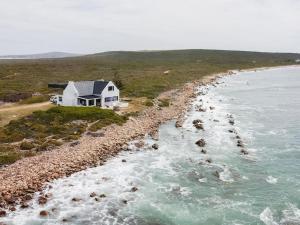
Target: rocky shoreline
[[22, 179]]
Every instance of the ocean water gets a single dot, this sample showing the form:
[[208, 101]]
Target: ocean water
[[176, 185]]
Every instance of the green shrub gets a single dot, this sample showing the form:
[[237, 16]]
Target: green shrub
[[164, 102], [58, 122], [148, 103], [9, 158], [25, 145]]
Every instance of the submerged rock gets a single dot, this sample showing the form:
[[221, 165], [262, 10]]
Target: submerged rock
[[76, 199], [208, 160], [231, 121], [134, 189], [93, 194], [155, 146], [244, 152], [216, 174], [240, 144], [201, 143]]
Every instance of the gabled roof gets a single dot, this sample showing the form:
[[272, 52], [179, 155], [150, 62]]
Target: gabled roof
[[90, 87]]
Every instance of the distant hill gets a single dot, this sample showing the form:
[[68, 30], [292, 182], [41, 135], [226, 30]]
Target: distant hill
[[141, 73], [48, 55]]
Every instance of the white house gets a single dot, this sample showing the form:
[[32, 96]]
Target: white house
[[98, 93]]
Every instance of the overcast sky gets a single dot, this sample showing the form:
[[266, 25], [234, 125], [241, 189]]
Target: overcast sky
[[89, 26]]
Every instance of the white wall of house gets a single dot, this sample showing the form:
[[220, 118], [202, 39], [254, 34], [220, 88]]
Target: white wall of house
[[70, 95], [106, 93]]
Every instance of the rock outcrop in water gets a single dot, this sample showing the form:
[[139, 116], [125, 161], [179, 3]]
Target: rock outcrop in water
[[201, 143]]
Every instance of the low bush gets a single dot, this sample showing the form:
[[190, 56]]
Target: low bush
[[164, 102], [148, 103], [25, 145], [58, 122]]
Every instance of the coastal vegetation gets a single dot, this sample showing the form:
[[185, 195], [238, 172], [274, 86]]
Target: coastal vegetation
[[43, 130], [138, 74]]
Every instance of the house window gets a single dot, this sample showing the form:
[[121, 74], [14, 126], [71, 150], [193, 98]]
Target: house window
[[111, 88], [91, 102], [60, 99], [115, 98], [108, 99]]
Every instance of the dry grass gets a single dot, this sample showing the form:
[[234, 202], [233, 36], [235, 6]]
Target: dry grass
[[15, 111]]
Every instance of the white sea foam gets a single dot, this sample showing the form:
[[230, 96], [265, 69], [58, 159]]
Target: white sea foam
[[271, 180], [226, 175], [267, 217]]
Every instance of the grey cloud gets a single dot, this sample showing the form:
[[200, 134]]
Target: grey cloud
[[86, 26]]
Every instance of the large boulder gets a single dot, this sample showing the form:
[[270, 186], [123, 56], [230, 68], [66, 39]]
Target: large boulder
[[44, 213], [2, 213]]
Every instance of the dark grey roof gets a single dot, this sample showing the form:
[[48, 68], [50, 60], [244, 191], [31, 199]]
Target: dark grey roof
[[85, 88], [99, 86], [89, 96]]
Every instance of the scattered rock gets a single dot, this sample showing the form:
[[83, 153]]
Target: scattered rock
[[244, 152], [199, 126], [240, 144], [208, 160], [155, 146], [124, 160], [197, 121], [134, 189], [216, 174], [24, 205], [42, 200], [95, 134], [125, 201], [178, 124], [73, 144], [231, 131], [237, 137], [76, 199], [12, 209], [44, 213], [201, 143], [212, 108], [203, 151], [216, 121], [93, 194], [64, 220], [102, 196], [2, 213], [139, 144], [231, 121]]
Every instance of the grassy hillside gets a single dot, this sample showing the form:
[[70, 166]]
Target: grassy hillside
[[140, 72]]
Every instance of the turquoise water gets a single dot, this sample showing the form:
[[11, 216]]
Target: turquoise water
[[177, 186]]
